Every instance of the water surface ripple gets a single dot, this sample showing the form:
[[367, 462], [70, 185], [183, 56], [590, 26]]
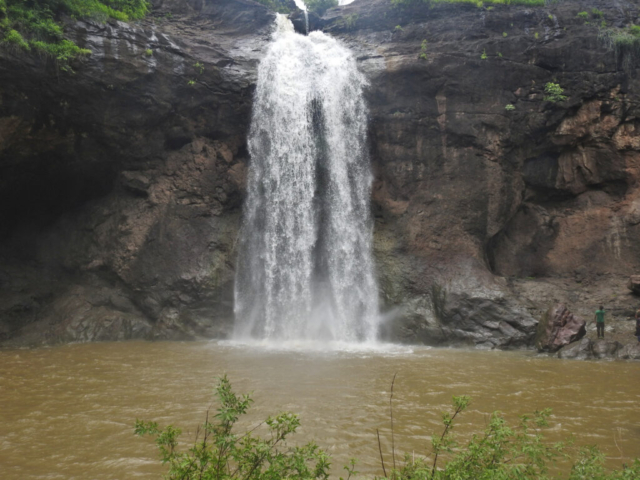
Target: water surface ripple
[[68, 412]]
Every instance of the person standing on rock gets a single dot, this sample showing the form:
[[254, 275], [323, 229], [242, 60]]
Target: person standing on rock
[[638, 324], [600, 321]]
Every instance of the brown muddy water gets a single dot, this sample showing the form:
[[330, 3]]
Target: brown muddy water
[[68, 412]]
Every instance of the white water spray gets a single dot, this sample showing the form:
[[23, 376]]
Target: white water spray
[[305, 270]]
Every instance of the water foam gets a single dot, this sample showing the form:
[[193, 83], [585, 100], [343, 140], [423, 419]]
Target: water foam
[[321, 347], [305, 268]]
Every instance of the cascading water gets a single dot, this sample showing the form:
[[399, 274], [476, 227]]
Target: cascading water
[[305, 269]]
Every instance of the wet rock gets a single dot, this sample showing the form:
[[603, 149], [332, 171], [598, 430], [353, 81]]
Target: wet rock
[[581, 350], [630, 351], [602, 348], [475, 312], [558, 327], [299, 23], [634, 284]]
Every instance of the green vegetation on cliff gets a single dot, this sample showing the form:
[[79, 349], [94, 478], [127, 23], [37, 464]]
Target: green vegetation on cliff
[[37, 25], [500, 452], [625, 42]]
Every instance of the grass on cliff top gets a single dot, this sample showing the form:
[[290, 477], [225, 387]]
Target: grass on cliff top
[[36, 25], [477, 3]]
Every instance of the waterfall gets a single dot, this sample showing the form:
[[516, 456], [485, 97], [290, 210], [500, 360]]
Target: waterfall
[[304, 267]]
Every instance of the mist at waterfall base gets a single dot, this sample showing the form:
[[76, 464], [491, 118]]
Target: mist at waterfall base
[[305, 274]]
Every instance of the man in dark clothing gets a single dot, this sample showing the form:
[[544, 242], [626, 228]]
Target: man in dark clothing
[[600, 321], [638, 324]]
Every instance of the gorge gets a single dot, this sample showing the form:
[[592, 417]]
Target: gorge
[[122, 184], [309, 203]]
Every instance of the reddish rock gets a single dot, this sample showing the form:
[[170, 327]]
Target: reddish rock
[[634, 284], [559, 327]]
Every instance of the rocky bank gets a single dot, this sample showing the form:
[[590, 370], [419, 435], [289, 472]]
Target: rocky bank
[[121, 185]]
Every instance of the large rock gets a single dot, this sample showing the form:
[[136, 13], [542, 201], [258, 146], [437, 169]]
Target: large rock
[[581, 350], [602, 348], [630, 351], [557, 328], [134, 183], [634, 284]]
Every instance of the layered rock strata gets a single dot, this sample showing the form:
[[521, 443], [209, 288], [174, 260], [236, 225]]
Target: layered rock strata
[[121, 185]]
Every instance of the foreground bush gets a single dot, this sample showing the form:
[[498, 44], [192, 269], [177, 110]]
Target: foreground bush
[[501, 452], [220, 453]]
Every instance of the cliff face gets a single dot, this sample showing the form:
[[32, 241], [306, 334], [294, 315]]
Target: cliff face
[[488, 215], [121, 185]]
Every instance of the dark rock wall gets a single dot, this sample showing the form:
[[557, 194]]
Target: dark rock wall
[[121, 185], [471, 197]]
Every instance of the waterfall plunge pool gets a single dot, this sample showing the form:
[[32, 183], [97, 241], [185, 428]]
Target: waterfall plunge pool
[[68, 412]]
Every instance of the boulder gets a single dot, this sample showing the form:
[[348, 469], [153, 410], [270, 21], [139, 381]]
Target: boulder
[[299, 22], [634, 284], [630, 351], [558, 328], [581, 350], [605, 348]]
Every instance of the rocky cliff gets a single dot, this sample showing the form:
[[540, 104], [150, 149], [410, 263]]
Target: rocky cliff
[[121, 184]]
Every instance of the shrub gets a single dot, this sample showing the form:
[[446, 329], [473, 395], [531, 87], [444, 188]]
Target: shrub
[[148, 52], [484, 54], [625, 42], [423, 50], [220, 452], [500, 452], [62, 52], [509, 107], [14, 38], [554, 93], [350, 21]]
